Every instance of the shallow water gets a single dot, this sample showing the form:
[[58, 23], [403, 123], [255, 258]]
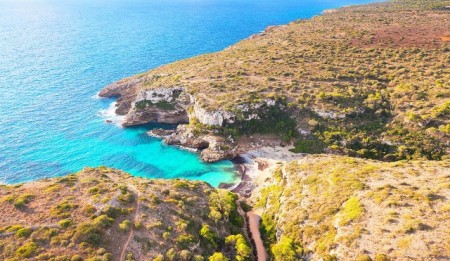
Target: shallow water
[[56, 55]]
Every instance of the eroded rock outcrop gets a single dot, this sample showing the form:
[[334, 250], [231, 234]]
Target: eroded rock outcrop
[[162, 105], [155, 114], [171, 105], [213, 148], [125, 91], [219, 149], [160, 133], [185, 137], [211, 118]]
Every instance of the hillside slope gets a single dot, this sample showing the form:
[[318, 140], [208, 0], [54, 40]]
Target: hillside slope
[[370, 81], [335, 207], [105, 214]]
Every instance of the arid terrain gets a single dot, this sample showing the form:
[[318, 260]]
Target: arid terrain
[[343, 122], [327, 207], [370, 81], [105, 214]]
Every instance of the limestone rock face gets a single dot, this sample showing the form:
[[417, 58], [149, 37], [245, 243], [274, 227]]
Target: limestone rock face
[[153, 114], [184, 137], [173, 105], [160, 94], [213, 148], [160, 133], [329, 114], [163, 105], [218, 149], [124, 91], [212, 118]]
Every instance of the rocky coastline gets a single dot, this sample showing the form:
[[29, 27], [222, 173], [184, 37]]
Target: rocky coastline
[[185, 110], [172, 106]]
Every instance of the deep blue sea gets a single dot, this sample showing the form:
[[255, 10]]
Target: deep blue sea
[[55, 55]]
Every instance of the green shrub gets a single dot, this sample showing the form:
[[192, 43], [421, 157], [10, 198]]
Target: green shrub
[[185, 255], [125, 225], [63, 209], [184, 240], [93, 190], [218, 257], [171, 255], [61, 258], [311, 146], [159, 258], [284, 250], [164, 105], [381, 257], [137, 225], [112, 212], [199, 258], [91, 233], [242, 249], [363, 257], [209, 235], [65, 223], [102, 222], [129, 257], [23, 200], [76, 258], [267, 228], [166, 235], [89, 209], [245, 207], [87, 233], [27, 250], [23, 232], [352, 210], [126, 198], [44, 234], [329, 258], [9, 199]]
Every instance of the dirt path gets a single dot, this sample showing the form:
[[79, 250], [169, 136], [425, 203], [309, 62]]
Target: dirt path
[[253, 220], [135, 216], [131, 233]]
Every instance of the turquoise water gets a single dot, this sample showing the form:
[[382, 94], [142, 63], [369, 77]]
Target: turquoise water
[[56, 55]]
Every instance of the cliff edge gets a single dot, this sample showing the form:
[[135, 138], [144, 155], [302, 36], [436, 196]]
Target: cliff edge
[[369, 81]]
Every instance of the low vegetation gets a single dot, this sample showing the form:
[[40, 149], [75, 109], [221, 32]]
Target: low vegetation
[[90, 215], [370, 81], [352, 209]]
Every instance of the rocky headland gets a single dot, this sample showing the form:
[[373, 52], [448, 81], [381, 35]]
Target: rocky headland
[[367, 81], [367, 87]]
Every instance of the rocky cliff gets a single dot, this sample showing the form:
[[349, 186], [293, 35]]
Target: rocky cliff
[[199, 128], [368, 81]]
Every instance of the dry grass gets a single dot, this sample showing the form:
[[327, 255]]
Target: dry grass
[[91, 215], [383, 67], [334, 205]]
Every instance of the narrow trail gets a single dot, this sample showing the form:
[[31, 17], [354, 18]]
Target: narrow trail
[[253, 220], [130, 234]]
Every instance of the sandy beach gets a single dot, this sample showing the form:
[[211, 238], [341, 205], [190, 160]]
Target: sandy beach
[[258, 164]]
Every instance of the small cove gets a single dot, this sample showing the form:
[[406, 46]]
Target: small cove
[[56, 55]]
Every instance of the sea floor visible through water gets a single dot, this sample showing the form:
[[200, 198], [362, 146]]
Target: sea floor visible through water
[[56, 55]]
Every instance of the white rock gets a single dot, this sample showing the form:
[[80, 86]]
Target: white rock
[[160, 94]]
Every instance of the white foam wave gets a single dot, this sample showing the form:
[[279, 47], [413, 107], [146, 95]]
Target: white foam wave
[[96, 96], [110, 115]]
